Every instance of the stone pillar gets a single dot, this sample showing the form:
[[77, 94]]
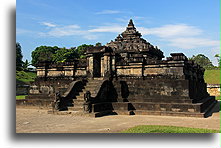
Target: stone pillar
[[113, 66], [107, 65], [46, 67], [102, 66], [74, 70], [90, 65]]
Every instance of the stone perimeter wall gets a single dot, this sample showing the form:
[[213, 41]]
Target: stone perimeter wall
[[62, 71], [173, 68], [47, 88]]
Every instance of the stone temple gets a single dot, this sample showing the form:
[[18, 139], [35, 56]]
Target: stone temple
[[126, 76]]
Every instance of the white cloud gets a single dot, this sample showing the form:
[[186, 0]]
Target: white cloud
[[22, 31], [90, 36], [171, 31], [140, 19], [108, 12], [175, 35], [70, 30], [48, 24], [113, 29], [191, 42], [64, 31], [181, 36]]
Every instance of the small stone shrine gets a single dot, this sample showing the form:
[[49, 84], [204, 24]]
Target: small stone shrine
[[127, 76]]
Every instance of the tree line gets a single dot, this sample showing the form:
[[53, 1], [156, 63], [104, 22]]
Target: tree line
[[51, 54], [58, 55], [204, 61]]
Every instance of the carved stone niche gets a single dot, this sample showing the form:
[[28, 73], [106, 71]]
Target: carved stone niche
[[178, 57]]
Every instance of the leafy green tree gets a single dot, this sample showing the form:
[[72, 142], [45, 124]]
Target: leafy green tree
[[25, 65], [98, 44], [55, 54], [19, 57], [43, 54], [202, 60], [65, 55], [81, 50], [218, 59]]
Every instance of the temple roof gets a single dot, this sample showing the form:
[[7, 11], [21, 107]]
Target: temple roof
[[131, 31], [130, 41]]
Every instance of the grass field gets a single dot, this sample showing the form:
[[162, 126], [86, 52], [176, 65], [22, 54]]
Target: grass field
[[212, 76], [25, 77], [20, 97], [218, 97], [166, 129]]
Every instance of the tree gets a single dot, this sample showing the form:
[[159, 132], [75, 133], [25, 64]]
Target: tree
[[218, 59], [81, 50], [202, 60], [43, 54], [65, 55], [25, 65], [19, 57], [55, 54], [98, 44]]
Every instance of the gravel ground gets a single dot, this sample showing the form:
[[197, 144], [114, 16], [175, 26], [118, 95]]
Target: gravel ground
[[39, 121]]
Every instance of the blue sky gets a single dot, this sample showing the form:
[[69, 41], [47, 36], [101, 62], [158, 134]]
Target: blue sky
[[188, 26]]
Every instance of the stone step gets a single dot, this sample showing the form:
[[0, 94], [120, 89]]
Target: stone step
[[93, 93], [145, 96], [174, 107], [100, 79], [160, 113], [77, 108], [91, 90], [78, 103], [91, 87], [95, 81], [79, 98], [155, 100]]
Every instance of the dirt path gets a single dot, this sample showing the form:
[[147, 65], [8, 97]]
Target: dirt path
[[38, 121]]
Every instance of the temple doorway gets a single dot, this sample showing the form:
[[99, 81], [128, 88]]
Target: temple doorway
[[97, 65]]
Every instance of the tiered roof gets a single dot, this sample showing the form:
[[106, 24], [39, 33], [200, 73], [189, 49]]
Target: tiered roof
[[130, 41]]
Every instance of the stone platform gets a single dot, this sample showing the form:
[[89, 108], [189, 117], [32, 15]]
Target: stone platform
[[126, 76]]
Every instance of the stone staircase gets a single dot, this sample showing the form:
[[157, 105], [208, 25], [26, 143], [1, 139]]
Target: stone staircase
[[137, 103], [92, 86]]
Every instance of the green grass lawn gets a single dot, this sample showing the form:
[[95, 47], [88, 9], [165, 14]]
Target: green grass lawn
[[20, 97], [218, 97], [212, 76], [25, 77], [166, 129]]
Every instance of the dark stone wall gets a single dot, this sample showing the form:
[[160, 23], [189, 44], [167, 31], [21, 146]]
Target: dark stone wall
[[22, 89], [49, 87], [138, 88]]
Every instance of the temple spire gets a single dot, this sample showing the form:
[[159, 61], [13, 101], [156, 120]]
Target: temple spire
[[131, 24], [131, 31]]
